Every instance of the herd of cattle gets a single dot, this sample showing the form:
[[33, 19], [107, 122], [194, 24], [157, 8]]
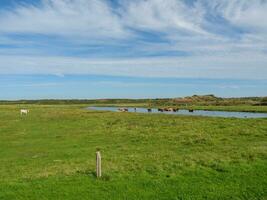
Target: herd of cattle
[[26, 111], [159, 110]]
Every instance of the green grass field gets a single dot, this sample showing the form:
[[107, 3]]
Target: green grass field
[[50, 154]]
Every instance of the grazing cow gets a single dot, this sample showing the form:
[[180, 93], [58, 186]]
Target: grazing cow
[[171, 109], [160, 110], [123, 109], [149, 110], [166, 109], [175, 109], [191, 110], [24, 112]]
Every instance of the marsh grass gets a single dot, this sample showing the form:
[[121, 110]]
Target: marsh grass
[[50, 154]]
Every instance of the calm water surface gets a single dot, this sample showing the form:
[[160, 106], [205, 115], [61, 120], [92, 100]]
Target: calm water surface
[[195, 113]]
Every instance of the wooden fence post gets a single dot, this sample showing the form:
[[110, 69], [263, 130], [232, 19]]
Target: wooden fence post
[[98, 164]]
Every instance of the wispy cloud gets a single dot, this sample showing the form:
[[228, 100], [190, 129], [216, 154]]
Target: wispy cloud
[[92, 86], [163, 16], [78, 18], [234, 66], [159, 38], [245, 14]]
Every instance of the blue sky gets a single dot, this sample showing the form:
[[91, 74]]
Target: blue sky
[[132, 49]]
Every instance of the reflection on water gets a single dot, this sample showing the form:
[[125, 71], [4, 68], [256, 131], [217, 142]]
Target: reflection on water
[[186, 112]]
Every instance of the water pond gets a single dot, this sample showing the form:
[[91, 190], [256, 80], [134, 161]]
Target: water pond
[[186, 112]]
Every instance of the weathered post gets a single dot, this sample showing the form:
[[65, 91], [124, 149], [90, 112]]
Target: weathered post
[[98, 164]]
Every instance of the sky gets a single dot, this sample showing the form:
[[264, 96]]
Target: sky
[[132, 49]]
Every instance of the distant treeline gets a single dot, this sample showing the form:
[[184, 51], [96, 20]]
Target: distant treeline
[[192, 100]]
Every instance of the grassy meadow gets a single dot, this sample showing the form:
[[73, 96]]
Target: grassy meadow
[[50, 154]]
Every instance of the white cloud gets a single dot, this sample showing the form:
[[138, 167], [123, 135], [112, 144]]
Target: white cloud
[[247, 14], [234, 66], [163, 16], [183, 28], [72, 18]]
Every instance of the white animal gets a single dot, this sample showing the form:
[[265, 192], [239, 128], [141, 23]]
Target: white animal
[[24, 112]]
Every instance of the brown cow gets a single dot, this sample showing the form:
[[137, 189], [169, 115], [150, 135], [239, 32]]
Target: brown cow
[[170, 109], [123, 109]]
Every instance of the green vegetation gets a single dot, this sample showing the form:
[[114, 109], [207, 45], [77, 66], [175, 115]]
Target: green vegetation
[[207, 102], [202, 100], [50, 154], [239, 108]]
